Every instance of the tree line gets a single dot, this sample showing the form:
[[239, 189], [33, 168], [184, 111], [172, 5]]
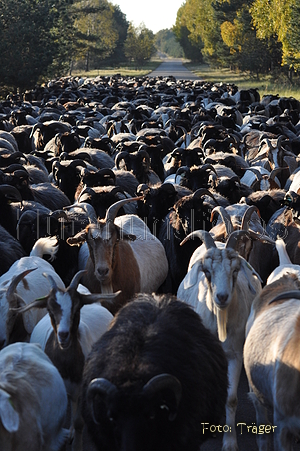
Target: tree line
[[41, 39], [257, 36]]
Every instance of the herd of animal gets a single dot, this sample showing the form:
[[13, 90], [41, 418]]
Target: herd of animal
[[149, 239]]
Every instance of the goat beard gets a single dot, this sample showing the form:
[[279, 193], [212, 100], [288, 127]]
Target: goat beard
[[106, 288], [222, 315]]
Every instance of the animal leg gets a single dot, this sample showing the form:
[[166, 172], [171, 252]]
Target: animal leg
[[234, 371]]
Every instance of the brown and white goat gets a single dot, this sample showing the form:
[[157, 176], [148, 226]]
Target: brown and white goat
[[123, 255]]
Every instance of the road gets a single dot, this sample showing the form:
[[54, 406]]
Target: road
[[245, 415], [175, 68]]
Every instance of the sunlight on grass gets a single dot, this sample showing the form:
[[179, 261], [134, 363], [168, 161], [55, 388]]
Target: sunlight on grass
[[123, 70], [265, 84]]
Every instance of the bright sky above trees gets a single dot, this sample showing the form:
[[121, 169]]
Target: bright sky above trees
[[155, 14]]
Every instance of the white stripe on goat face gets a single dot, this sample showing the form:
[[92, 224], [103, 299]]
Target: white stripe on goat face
[[63, 319]]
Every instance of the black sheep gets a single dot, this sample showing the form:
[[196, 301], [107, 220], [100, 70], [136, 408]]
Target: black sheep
[[153, 379]]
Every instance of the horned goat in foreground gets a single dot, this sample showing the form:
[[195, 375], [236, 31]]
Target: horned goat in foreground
[[220, 285], [33, 400], [23, 283], [74, 322], [153, 378], [271, 354], [123, 255]]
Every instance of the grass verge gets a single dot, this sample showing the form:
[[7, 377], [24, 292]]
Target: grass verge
[[124, 70], [266, 84]]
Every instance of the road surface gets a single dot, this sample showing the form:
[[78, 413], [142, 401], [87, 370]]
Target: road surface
[[175, 68]]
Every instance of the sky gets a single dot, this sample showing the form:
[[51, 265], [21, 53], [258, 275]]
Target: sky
[[155, 14]]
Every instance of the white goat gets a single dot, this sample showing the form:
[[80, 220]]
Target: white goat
[[23, 283], [220, 285], [33, 400], [75, 321], [271, 354]]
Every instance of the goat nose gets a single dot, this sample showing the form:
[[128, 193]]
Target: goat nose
[[222, 298], [63, 336], [102, 272]]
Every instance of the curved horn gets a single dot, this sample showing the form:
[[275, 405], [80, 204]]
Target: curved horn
[[14, 283], [59, 214], [276, 171], [99, 386], [235, 237], [11, 191], [204, 236], [168, 187], [209, 166], [204, 192], [34, 128], [106, 171], [114, 208], [225, 218], [161, 382], [76, 279], [120, 156], [182, 169], [14, 167], [247, 216], [51, 281], [78, 162]]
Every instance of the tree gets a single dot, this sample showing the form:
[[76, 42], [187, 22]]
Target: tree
[[246, 51], [121, 26], [279, 18], [192, 49], [199, 17], [63, 36], [166, 42], [139, 44], [95, 32], [26, 46]]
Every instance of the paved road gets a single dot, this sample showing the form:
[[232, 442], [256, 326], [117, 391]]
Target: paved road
[[173, 67]]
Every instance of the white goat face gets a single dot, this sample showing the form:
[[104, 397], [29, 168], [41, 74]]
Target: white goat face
[[221, 268]]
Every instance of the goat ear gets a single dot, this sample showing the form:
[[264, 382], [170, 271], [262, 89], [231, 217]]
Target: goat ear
[[125, 236], [77, 239], [98, 297], [9, 417], [128, 236], [38, 303], [192, 276]]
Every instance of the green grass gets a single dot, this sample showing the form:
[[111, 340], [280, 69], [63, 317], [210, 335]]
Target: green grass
[[266, 84], [125, 70]]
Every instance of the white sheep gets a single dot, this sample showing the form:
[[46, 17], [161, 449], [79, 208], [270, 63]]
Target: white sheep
[[33, 400], [220, 285]]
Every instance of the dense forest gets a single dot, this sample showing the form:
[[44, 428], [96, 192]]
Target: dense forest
[[41, 39]]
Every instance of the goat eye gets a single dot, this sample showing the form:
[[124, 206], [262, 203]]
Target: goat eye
[[207, 275], [235, 272]]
